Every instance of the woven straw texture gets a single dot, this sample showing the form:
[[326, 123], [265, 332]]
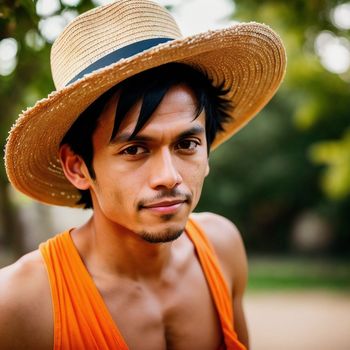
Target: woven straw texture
[[249, 58]]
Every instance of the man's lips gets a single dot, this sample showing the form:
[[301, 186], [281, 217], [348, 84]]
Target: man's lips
[[165, 206], [165, 203]]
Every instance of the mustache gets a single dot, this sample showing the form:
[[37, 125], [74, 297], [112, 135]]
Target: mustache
[[165, 194]]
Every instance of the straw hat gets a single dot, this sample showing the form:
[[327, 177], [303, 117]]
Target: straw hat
[[110, 43]]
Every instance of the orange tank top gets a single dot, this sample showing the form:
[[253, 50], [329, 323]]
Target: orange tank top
[[81, 318]]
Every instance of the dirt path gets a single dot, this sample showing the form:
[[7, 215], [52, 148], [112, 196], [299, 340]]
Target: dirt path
[[312, 320]]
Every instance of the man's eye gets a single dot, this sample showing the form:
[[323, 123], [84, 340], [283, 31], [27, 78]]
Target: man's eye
[[134, 150], [187, 145]]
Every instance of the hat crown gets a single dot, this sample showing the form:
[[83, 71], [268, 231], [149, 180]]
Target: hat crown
[[105, 29]]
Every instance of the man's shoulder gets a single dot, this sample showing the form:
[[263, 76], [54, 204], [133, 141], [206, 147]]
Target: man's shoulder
[[28, 266], [227, 242], [23, 282], [25, 299], [20, 271], [222, 232]]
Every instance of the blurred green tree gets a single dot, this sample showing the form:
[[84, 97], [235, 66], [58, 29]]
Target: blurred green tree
[[295, 156], [27, 83]]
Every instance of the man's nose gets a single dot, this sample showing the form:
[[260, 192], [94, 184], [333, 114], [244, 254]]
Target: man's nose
[[164, 172]]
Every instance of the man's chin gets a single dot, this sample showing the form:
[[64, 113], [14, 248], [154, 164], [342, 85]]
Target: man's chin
[[164, 236], [164, 228]]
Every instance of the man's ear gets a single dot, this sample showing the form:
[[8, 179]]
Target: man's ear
[[74, 168], [207, 169]]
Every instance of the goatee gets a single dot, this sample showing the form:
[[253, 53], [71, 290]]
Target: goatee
[[162, 237]]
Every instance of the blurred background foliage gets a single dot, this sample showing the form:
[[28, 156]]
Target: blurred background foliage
[[284, 179]]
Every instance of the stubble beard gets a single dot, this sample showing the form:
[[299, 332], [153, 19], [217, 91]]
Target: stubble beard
[[161, 237], [165, 236]]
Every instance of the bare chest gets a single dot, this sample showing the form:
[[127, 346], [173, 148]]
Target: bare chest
[[175, 313]]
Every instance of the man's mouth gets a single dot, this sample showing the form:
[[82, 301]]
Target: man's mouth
[[165, 206]]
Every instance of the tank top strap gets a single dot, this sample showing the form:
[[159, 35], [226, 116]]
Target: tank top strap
[[81, 318], [217, 284]]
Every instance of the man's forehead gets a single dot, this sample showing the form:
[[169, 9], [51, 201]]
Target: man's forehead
[[177, 109]]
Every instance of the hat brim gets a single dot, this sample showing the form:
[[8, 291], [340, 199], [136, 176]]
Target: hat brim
[[248, 59]]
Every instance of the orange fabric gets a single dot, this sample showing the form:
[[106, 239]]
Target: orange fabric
[[81, 318], [218, 287]]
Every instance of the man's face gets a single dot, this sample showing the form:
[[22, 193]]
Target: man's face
[[151, 184]]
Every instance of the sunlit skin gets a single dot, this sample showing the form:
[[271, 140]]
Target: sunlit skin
[[134, 246]]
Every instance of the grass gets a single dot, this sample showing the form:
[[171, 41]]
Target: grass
[[298, 273]]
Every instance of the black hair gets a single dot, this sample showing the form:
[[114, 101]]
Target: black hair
[[149, 86]]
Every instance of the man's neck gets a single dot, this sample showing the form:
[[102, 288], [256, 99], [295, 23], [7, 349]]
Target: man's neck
[[113, 250]]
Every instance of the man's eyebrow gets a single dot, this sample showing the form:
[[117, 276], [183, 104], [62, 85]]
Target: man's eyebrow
[[126, 136], [195, 130]]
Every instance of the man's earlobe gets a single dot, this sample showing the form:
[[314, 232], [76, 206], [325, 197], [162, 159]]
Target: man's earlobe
[[74, 168], [207, 170]]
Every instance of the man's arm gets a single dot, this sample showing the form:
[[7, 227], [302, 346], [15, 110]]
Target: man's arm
[[25, 305], [230, 250]]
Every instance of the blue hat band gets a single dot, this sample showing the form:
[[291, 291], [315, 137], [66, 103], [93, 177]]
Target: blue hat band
[[115, 56]]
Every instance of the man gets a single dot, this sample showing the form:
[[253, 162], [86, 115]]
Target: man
[[137, 110]]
